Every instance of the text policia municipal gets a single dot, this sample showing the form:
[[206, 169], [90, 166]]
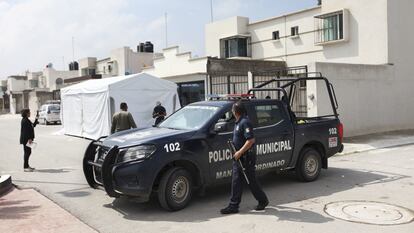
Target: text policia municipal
[[261, 149]]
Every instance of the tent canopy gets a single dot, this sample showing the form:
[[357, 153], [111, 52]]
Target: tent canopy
[[87, 107]]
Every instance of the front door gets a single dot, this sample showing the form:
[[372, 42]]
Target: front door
[[219, 155]]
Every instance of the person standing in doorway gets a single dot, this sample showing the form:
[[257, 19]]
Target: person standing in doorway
[[27, 136], [159, 113], [243, 140], [122, 120]]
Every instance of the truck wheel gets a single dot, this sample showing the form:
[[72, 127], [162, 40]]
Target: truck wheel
[[175, 189], [46, 122], [309, 165]]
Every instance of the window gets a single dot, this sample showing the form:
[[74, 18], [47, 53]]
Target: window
[[33, 84], [234, 47], [191, 92], [294, 31], [330, 27], [268, 115], [88, 71], [91, 72], [230, 119], [275, 35], [333, 27], [54, 107], [59, 83], [190, 117]]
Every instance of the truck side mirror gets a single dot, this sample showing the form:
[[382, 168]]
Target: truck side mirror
[[221, 127]]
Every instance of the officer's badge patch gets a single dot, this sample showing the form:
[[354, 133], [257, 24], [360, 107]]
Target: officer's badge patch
[[247, 130], [237, 128]]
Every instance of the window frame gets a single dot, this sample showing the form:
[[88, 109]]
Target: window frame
[[276, 35], [331, 27], [294, 31], [226, 45]]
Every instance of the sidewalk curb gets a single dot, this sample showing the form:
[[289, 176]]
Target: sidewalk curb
[[373, 149], [5, 184]]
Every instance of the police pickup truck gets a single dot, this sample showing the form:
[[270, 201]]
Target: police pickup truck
[[189, 150]]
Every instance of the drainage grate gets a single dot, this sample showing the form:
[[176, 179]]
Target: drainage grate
[[367, 212]]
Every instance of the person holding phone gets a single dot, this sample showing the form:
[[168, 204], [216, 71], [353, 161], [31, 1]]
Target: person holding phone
[[27, 136]]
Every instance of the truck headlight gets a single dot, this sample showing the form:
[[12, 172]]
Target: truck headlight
[[137, 153]]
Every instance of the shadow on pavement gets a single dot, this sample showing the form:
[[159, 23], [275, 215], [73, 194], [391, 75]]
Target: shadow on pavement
[[49, 182], [9, 210], [293, 214], [61, 170], [75, 192], [281, 189]]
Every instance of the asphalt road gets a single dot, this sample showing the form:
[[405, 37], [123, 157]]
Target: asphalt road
[[383, 175]]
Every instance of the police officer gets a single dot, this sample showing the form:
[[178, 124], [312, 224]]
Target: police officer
[[244, 140]]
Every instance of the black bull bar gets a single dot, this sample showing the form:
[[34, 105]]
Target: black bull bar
[[90, 164]]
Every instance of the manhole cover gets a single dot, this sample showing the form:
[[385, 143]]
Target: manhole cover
[[376, 213]]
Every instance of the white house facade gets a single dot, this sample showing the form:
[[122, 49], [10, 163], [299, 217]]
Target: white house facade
[[363, 47], [122, 61]]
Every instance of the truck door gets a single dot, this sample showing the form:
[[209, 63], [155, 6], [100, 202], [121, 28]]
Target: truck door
[[219, 155], [274, 135]]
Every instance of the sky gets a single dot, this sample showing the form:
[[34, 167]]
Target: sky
[[34, 33]]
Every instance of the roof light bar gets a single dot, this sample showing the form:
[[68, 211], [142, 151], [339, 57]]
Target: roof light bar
[[230, 96]]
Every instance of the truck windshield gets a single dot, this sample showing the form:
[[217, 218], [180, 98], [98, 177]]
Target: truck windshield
[[54, 107], [189, 117]]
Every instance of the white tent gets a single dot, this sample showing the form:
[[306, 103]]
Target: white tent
[[87, 107]]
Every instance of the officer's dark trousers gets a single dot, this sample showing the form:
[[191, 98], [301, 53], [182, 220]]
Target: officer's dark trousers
[[27, 153], [238, 179]]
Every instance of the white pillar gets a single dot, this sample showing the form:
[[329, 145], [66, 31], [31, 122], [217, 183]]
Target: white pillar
[[250, 80]]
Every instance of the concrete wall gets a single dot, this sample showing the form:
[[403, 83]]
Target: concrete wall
[[371, 98], [368, 40], [173, 63], [130, 61], [286, 48], [221, 29], [16, 103], [401, 37], [33, 75], [16, 85], [86, 63], [102, 68], [37, 99], [124, 60], [51, 75]]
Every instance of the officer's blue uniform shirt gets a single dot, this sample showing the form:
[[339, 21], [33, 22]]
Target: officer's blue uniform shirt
[[243, 131]]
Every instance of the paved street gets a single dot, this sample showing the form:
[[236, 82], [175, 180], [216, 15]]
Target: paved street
[[383, 175]]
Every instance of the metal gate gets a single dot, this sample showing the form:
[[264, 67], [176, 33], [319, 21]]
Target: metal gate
[[298, 101], [229, 84], [238, 83]]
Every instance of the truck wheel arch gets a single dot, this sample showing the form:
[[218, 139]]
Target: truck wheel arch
[[318, 146], [190, 166]]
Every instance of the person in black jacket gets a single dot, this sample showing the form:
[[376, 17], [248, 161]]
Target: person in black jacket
[[159, 113], [26, 137]]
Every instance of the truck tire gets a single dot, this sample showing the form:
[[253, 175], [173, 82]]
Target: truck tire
[[175, 189], [309, 165]]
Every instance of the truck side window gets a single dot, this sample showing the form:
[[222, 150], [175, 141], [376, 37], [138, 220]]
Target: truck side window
[[268, 115], [228, 117]]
